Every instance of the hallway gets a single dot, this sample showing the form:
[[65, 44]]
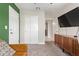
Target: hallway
[[49, 49]]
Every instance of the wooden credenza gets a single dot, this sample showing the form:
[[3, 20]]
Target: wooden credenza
[[68, 44], [59, 40]]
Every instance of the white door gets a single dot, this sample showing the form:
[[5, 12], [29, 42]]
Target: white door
[[31, 30], [34, 30], [27, 32], [13, 26]]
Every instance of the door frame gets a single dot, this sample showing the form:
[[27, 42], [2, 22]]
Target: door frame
[[18, 20]]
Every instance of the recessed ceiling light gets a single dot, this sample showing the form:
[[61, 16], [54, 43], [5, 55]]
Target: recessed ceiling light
[[35, 3], [51, 3], [37, 8]]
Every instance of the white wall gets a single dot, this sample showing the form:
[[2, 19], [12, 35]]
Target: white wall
[[68, 31], [41, 26], [53, 28], [49, 30], [68, 7]]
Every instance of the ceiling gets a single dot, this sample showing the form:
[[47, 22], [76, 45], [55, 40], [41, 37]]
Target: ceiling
[[50, 9]]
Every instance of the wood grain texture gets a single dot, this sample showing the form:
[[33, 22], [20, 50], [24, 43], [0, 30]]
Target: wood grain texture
[[69, 44], [21, 49]]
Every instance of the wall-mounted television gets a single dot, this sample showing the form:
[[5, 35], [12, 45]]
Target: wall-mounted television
[[69, 19]]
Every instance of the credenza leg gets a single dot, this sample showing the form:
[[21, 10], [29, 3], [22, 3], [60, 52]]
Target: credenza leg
[[63, 50]]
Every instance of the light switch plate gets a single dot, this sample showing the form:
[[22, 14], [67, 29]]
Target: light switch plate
[[5, 27]]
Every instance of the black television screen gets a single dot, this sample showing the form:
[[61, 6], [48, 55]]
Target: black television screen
[[70, 19]]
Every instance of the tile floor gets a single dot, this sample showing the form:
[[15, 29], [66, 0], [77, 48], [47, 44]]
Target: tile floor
[[47, 49]]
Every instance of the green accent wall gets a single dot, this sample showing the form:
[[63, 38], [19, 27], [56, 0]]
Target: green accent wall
[[4, 19]]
